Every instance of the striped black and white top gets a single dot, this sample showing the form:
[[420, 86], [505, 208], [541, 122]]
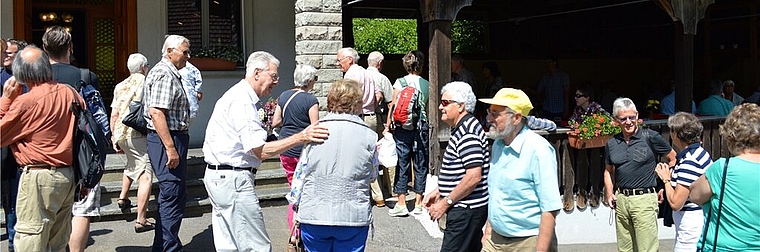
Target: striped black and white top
[[467, 148], [692, 163]]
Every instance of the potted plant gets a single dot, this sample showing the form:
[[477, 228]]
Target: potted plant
[[592, 131], [216, 58]]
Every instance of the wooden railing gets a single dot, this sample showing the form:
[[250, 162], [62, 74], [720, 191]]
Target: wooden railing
[[580, 171]]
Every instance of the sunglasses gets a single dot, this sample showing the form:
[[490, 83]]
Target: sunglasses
[[627, 118], [579, 96], [447, 102]]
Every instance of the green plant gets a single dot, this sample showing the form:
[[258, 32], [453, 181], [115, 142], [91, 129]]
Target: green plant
[[594, 125], [231, 53]]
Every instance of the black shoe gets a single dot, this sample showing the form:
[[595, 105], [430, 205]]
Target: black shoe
[[144, 227], [124, 203]]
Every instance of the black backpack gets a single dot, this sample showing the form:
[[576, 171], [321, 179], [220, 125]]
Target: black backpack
[[90, 145]]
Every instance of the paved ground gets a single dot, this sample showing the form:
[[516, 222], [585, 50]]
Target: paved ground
[[391, 234]]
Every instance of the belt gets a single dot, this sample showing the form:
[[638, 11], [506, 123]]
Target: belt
[[636, 191], [172, 131], [40, 167], [227, 167]]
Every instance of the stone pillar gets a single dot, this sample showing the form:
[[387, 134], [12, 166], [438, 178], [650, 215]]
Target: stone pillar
[[318, 39]]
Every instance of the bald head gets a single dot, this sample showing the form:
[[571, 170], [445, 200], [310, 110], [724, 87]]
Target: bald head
[[32, 66]]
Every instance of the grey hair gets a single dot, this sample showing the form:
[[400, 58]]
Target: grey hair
[[686, 126], [303, 74], [374, 58], [135, 62], [461, 92], [350, 52], [34, 71], [623, 103], [173, 41], [259, 60]]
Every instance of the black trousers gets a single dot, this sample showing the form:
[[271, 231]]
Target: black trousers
[[464, 229]]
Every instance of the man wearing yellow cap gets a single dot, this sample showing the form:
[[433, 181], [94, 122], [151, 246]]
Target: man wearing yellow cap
[[522, 184]]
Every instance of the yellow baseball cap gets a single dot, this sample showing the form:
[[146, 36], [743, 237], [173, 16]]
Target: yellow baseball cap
[[515, 99]]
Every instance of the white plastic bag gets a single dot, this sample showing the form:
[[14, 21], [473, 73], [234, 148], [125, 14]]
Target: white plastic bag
[[386, 150]]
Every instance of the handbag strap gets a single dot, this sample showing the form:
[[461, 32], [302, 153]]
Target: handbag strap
[[290, 99], [720, 208]]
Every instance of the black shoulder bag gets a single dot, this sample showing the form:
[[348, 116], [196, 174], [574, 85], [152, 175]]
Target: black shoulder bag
[[136, 119], [709, 213]]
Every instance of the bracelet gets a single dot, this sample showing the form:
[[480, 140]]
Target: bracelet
[[666, 181]]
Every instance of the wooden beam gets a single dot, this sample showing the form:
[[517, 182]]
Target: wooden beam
[[438, 14], [441, 9], [689, 12]]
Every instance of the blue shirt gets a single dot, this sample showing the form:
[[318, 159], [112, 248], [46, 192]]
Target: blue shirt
[[192, 81], [668, 105], [522, 184], [554, 85]]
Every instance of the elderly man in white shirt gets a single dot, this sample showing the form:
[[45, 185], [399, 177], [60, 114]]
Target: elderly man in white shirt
[[234, 147]]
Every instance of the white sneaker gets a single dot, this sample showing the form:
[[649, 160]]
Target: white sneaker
[[398, 211], [417, 210]]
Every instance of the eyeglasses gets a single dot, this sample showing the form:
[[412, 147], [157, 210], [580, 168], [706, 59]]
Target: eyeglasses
[[447, 102], [275, 76], [627, 118], [340, 59], [185, 52], [579, 96], [494, 114]]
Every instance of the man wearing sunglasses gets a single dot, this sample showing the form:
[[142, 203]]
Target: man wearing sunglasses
[[631, 158]]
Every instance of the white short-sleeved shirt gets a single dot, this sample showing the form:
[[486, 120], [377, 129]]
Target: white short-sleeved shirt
[[234, 129]]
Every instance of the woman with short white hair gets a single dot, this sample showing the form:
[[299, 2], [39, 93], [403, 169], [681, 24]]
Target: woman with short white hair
[[296, 109], [132, 143]]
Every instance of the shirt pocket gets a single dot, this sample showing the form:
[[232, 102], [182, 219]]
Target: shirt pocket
[[641, 154]]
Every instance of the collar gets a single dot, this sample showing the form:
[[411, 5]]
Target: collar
[[637, 135], [687, 150], [171, 67], [373, 68], [519, 140], [464, 118], [248, 89]]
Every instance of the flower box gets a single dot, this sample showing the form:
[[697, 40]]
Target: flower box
[[595, 142], [212, 64]]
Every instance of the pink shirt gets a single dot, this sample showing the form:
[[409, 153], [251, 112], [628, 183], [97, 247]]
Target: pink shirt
[[368, 85]]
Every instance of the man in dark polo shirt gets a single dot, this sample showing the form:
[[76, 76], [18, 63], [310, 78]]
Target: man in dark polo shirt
[[631, 162]]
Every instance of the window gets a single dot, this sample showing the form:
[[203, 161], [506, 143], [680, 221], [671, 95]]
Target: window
[[206, 23]]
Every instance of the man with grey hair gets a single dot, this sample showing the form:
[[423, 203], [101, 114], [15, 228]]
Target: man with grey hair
[[631, 157], [348, 60], [168, 114], [39, 127], [233, 149], [375, 62], [462, 193]]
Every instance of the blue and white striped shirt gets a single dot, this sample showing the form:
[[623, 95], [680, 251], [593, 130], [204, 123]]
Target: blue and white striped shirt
[[467, 148], [691, 163]]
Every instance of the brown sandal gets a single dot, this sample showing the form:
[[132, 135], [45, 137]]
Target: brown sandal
[[144, 227]]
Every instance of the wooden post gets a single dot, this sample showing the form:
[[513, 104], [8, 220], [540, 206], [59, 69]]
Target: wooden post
[[438, 14], [439, 58], [689, 12]]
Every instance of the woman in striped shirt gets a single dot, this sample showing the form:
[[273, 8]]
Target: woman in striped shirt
[[691, 162], [462, 192]]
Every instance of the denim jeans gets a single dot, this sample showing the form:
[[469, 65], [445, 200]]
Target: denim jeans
[[412, 145]]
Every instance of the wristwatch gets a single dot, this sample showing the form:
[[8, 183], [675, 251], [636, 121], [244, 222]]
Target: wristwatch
[[449, 201]]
